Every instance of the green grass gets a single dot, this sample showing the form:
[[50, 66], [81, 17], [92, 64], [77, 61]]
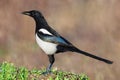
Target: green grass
[[10, 72]]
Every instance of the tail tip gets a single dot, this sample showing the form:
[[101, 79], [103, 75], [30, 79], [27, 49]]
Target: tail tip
[[109, 62]]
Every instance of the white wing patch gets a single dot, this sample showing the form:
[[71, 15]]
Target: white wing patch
[[45, 31]]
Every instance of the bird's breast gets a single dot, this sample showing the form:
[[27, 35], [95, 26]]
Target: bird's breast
[[47, 47]]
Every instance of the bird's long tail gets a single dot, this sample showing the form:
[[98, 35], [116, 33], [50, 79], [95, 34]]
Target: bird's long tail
[[74, 49]]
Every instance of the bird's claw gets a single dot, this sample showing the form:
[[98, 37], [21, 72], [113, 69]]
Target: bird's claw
[[47, 72]]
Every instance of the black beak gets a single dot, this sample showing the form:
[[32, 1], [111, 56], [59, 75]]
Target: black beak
[[26, 13]]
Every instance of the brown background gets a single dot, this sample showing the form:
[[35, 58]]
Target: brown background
[[92, 25]]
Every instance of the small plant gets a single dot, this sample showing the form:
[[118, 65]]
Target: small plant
[[10, 72]]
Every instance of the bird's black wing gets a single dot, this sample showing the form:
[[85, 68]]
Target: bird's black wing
[[53, 39], [66, 40]]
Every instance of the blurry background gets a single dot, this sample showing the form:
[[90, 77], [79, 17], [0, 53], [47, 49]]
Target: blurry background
[[92, 25]]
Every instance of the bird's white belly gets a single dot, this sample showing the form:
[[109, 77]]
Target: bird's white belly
[[47, 47]]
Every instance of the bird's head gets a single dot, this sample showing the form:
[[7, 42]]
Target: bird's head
[[33, 13], [37, 16]]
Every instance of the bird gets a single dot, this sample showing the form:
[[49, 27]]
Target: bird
[[51, 42]]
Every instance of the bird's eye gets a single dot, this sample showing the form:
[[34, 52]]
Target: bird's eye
[[33, 13], [36, 14]]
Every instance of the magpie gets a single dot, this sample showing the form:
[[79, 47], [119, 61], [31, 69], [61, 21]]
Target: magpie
[[52, 42]]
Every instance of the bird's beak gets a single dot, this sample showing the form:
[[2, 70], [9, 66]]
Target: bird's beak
[[26, 13]]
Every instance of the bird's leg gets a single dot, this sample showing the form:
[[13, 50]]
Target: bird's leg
[[51, 60]]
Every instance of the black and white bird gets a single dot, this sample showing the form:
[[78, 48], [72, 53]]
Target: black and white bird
[[52, 42]]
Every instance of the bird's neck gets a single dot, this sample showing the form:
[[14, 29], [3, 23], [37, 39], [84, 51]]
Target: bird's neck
[[40, 23]]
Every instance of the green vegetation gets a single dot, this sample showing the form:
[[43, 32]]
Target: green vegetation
[[10, 72]]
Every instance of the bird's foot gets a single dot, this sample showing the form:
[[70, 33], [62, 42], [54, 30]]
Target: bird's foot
[[47, 72]]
